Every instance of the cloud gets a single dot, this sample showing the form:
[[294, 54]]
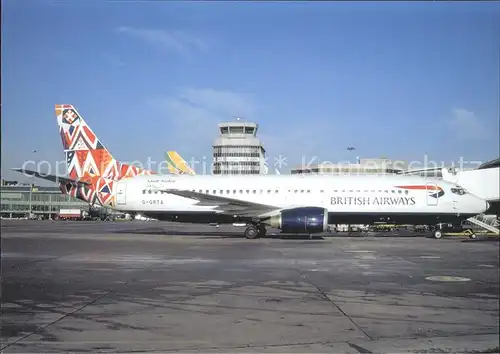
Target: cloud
[[192, 116], [195, 113], [171, 40], [112, 60], [466, 125]]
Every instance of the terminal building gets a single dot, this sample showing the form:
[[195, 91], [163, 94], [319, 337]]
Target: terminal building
[[44, 202], [364, 166], [237, 150]]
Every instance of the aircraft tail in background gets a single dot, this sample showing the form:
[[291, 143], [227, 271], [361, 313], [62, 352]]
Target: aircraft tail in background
[[177, 165], [86, 156]]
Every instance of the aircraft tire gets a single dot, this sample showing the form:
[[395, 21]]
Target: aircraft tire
[[438, 234], [472, 236], [251, 232]]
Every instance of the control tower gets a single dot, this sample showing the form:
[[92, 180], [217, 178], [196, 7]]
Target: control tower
[[237, 150]]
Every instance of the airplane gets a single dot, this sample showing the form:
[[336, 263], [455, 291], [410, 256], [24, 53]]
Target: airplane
[[292, 203], [176, 164]]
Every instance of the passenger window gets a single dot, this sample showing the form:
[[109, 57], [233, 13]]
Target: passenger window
[[254, 191], [143, 191]]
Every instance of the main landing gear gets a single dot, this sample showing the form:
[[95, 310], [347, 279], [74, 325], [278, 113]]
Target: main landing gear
[[255, 231]]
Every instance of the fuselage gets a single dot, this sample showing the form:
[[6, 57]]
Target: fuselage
[[346, 198]]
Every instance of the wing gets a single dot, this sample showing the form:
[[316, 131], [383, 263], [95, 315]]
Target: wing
[[52, 178], [225, 205]]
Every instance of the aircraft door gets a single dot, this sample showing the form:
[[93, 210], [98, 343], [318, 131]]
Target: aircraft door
[[432, 194], [121, 193]]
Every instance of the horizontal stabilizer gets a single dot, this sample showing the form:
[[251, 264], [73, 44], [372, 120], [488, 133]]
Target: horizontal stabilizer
[[52, 178]]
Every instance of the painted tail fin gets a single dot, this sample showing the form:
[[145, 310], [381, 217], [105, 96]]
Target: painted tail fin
[[86, 156], [177, 165]]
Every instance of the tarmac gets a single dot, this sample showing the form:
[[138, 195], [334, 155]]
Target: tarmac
[[75, 286]]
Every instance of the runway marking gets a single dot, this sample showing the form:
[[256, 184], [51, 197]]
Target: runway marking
[[486, 265], [10, 305], [319, 270], [358, 251], [430, 257], [447, 278], [489, 296]]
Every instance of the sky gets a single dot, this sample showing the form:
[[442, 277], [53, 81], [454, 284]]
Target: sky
[[401, 80]]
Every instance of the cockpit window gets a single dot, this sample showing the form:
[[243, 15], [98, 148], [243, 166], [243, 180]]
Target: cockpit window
[[459, 191]]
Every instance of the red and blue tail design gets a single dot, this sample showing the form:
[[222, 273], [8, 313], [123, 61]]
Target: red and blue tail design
[[89, 161]]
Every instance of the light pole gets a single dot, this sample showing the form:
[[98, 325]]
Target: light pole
[[352, 148], [31, 191]]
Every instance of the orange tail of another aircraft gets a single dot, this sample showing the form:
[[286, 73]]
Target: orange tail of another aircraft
[[86, 156], [177, 165]]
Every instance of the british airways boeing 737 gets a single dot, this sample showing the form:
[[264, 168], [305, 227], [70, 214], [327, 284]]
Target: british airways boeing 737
[[291, 203]]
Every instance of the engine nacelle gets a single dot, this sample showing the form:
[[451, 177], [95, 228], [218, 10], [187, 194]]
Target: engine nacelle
[[301, 220]]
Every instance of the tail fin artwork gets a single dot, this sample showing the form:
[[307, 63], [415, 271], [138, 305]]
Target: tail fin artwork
[[177, 165], [86, 156]]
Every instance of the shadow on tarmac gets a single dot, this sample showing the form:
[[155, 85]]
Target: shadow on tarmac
[[219, 234]]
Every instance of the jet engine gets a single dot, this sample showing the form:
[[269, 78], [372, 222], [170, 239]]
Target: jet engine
[[301, 220]]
